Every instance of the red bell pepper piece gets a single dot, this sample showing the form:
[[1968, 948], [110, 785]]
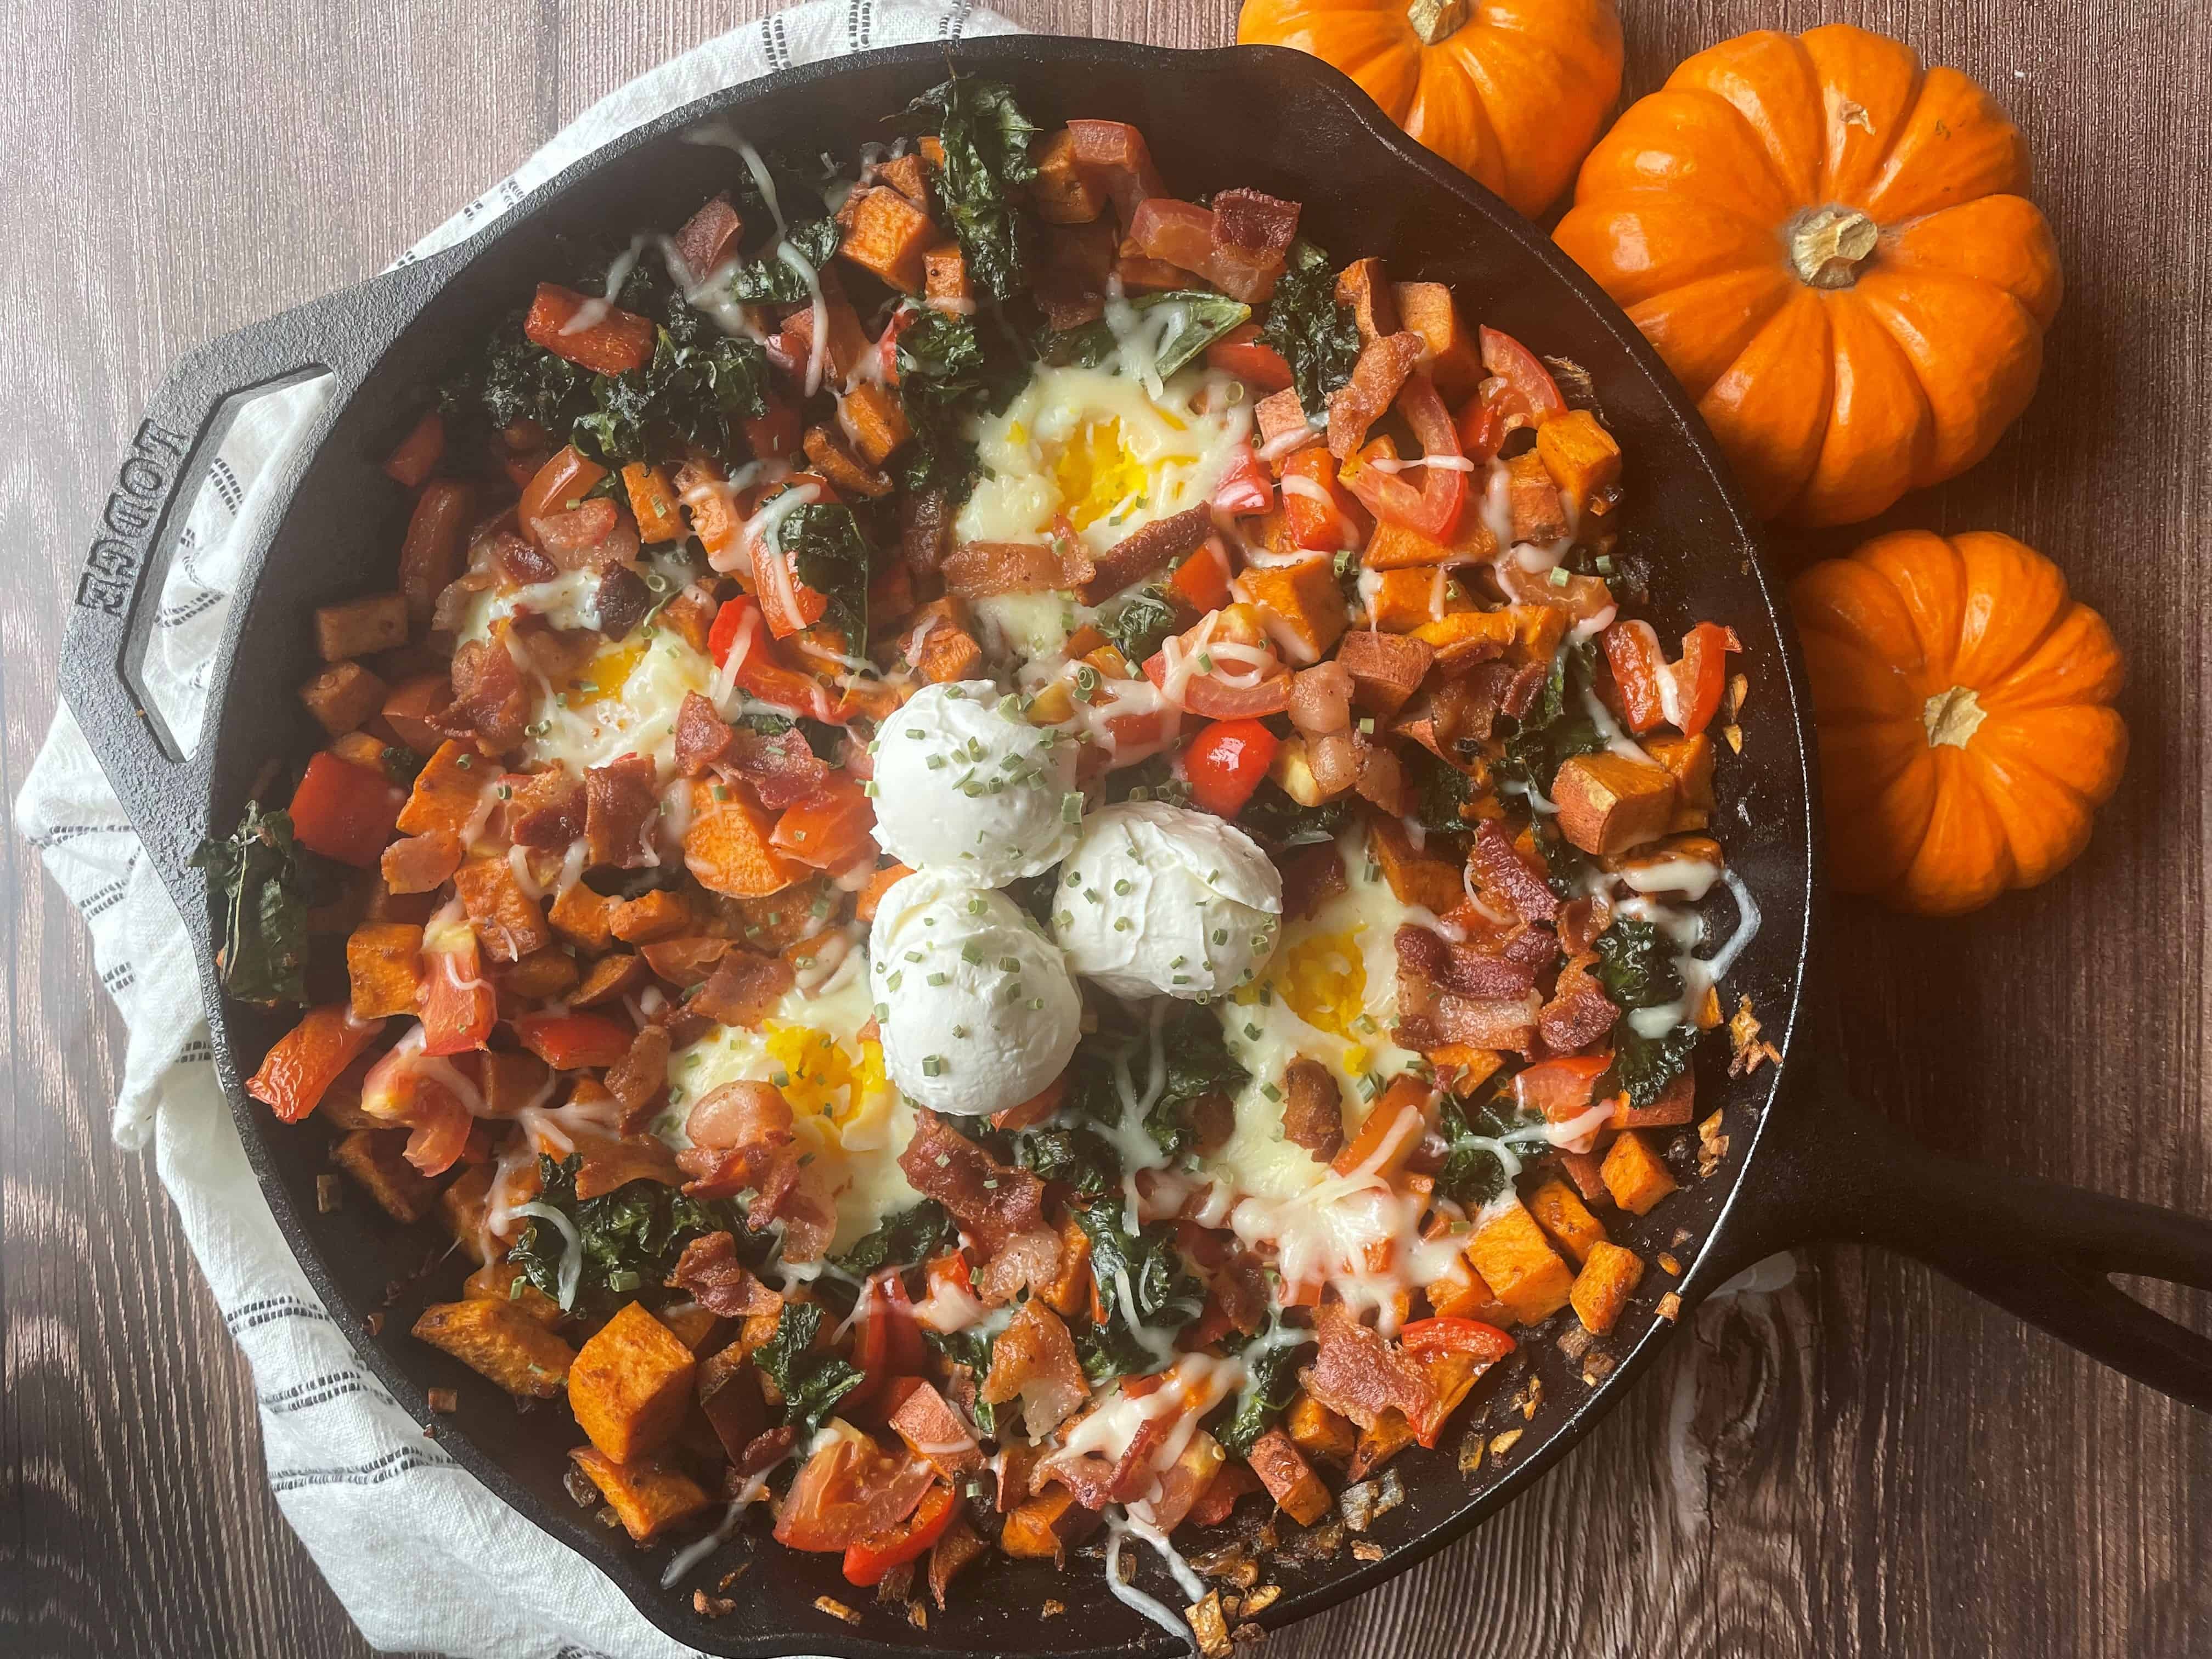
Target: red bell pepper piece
[[1533, 395], [1201, 580], [867, 1559], [569, 1043], [1205, 694], [1319, 513], [1481, 427], [1686, 694], [306, 1061], [1434, 508], [1243, 353], [1559, 1089], [1701, 676], [345, 812], [458, 1006], [1632, 650], [1485, 1344], [760, 671], [1244, 488], [830, 829], [1225, 763]]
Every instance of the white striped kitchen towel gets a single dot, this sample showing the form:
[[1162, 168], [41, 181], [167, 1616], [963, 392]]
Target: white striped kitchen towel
[[421, 1554]]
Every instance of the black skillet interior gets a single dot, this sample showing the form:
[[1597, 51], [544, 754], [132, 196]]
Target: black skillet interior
[[1276, 120]]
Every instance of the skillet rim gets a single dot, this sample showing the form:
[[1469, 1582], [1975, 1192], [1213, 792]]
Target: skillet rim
[[634, 1573]]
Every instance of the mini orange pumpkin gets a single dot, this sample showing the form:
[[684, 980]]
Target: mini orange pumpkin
[[1833, 250], [1962, 702], [1511, 91]]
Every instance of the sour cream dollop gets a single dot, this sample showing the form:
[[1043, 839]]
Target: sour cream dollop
[[965, 785], [1159, 898], [975, 1007]]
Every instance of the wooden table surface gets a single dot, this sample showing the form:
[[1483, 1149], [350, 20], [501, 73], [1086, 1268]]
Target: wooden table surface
[[1865, 1460]]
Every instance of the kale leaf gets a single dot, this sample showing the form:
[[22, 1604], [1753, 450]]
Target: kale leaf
[[1196, 321], [773, 280], [1317, 337], [1555, 730], [511, 379], [1643, 1066], [985, 139], [811, 1383], [1067, 1150], [1274, 817], [1162, 1293], [830, 556], [264, 876], [827, 741], [949, 372], [1145, 618], [1473, 1174], [914, 1234], [971, 1348], [1151, 779], [1636, 966], [1106, 1352], [1195, 1062], [1271, 1361], [631, 1237], [1440, 790]]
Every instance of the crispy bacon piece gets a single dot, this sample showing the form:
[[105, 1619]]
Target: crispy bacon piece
[[1581, 922], [1359, 1374], [1252, 237], [1029, 1261], [687, 959], [957, 1546], [737, 1131], [621, 801], [488, 691], [637, 1078], [763, 1453], [1579, 1012], [1376, 379], [1033, 1360], [744, 989], [1429, 1017], [932, 1430], [515, 554], [1312, 875], [1140, 553], [622, 601], [1521, 691], [793, 1191], [1238, 1295], [1386, 669], [546, 810], [708, 239], [1112, 157], [1461, 968], [1313, 1108], [580, 538], [991, 1200], [976, 570], [924, 532], [1467, 705], [1501, 872], [783, 771], [702, 737], [710, 1273]]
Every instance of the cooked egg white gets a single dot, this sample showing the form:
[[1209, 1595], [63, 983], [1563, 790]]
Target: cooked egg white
[[1330, 993], [1099, 448], [843, 1108]]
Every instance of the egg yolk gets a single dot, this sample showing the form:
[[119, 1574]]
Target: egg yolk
[[603, 675], [817, 1076], [1323, 979], [1096, 474]]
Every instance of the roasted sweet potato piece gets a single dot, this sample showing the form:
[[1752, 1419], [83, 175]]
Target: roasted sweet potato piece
[[708, 239], [1386, 669], [1636, 1176], [500, 1341], [1415, 877], [1390, 1435], [657, 915], [358, 627], [888, 234], [430, 556], [1609, 803], [847, 471], [630, 1384], [1289, 1479], [504, 1282], [1454, 362], [412, 707], [945, 279], [508, 1079], [1302, 604], [384, 961], [1560, 1212], [1538, 514], [1691, 761], [608, 979], [872, 422], [726, 845], [1519, 1265], [583, 917], [1043, 1527], [1061, 194], [1580, 454], [341, 696], [647, 1495], [730, 1395], [508, 921], [1601, 1290], [446, 791], [372, 1158]]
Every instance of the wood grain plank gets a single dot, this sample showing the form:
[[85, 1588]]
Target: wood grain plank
[[1864, 1462]]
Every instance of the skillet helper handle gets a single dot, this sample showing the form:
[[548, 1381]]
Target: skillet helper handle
[[157, 782], [2041, 1250]]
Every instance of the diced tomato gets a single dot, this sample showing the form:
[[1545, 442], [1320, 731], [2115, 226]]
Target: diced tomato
[[345, 812], [850, 1489], [399, 1092], [590, 333], [1648, 683], [1632, 650], [555, 487], [830, 829], [1205, 694], [1225, 763], [458, 1006], [1202, 580], [1534, 395], [737, 625], [569, 1043], [418, 453], [1319, 515], [1241, 352], [1245, 486], [776, 434], [1485, 1344], [1559, 1089], [867, 1559], [1481, 428], [306, 1061], [1434, 508], [1701, 677]]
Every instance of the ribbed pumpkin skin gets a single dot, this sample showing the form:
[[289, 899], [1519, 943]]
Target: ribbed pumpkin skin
[[1961, 700], [1513, 97], [1700, 211]]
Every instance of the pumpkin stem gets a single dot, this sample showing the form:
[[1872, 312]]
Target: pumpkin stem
[[1435, 20], [1952, 717], [1830, 246]]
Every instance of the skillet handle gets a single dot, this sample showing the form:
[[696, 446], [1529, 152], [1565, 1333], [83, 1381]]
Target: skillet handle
[[160, 786], [2044, 1250]]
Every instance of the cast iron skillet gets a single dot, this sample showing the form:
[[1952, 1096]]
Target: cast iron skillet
[[1803, 1162]]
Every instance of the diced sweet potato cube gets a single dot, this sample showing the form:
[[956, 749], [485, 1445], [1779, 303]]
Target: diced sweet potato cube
[[888, 234], [1365, 285], [1581, 455], [879, 884], [372, 1158], [503, 1281], [1691, 761], [1454, 362], [1302, 605], [939, 645], [500, 1341], [1386, 669], [1289, 1479], [446, 791], [945, 279], [649, 1497], [509, 923], [1042, 1528], [1519, 1265], [1539, 515], [341, 696], [1609, 803], [358, 627], [1604, 1285], [1318, 1432], [909, 175], [1377, 1446], [730, 1396], [692, 1325], [1463, 1293], [1636, 1176], [1560, 1212], [1582, 1170], [1415, 877], [847, 471], [650, 916], [584, 918], [464, 1205], [1061, 193], [872, 420], [410, 705], [384, 961], [727, 846], [544, 975], [630, 1385], [653, 503], [1400, 601]]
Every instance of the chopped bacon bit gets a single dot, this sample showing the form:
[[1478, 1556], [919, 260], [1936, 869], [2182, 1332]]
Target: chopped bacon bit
[[959, 1544], [743, 988], [686, 960], [1359, 1374], [1033, 1360], [620, 801], [1029, 1261], [1461, 968], [925, 531], [1579, 1013], [783, 771], [1521, 694], [546, 809], [1581, 922], [933, 1430], [762, 1454], [1141, 552], [991, 1200], [702, 737], [1500, 870], [488, 691], [709, 238], [1376, 379], [638, 1078], [975, 570], [1252, 237], [1313, 1108], [1429, 1017], [1312, 876], [710, 1273]]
